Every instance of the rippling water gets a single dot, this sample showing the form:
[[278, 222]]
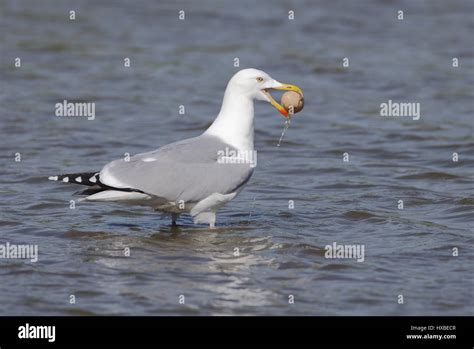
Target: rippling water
[[174, 63]]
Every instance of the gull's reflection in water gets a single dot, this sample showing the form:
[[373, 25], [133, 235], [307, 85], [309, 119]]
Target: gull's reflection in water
[[219, 264], [231, 257]]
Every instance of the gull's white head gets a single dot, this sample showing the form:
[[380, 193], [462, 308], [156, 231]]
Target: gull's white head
[[256, 84], [235, 122]]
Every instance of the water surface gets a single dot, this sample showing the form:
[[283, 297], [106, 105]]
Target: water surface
[[188, 63]]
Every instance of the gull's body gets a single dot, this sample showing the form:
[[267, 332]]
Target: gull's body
[[180, 177], [191, 175]]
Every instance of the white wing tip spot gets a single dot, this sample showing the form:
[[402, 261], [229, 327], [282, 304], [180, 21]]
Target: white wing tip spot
[[93, 179], [78, 179], [53, 178], [66, 179]]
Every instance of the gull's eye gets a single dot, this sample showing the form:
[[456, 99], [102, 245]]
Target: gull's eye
[[260, 79]]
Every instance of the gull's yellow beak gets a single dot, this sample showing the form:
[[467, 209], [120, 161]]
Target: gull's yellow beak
[[284, 87]]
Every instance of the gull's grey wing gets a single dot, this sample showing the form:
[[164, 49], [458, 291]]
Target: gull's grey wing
[[187, 170]]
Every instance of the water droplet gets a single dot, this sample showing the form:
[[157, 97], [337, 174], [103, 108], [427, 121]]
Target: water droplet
[[287, 126]]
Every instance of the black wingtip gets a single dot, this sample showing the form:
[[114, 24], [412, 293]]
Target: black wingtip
[[84, 178]]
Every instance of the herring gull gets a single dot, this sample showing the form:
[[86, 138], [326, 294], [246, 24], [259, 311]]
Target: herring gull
[[196, 175]]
